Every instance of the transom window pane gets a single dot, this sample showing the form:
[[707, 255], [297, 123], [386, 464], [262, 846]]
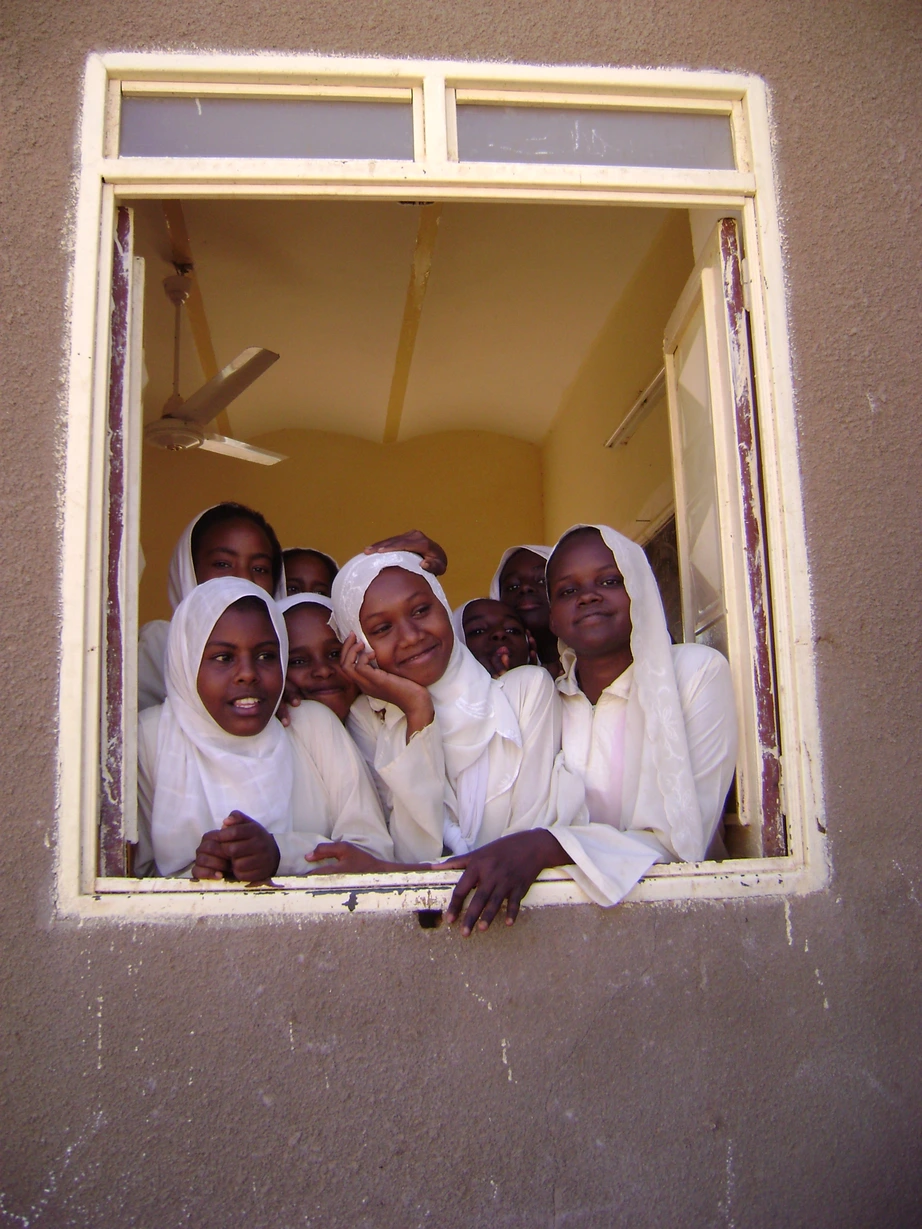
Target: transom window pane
[[264, 128], [594, 137]]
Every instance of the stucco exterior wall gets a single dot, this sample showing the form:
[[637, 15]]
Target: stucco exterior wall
[[748, 1064]]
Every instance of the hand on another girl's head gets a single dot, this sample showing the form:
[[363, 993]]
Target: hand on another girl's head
[[240, 676], [233, 540], [496, 636], [314, 670], [432, 556]]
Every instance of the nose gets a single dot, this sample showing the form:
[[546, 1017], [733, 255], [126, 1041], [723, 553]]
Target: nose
[[322, 668], [246, 668], [586, 596], [499, 635], [409, 633]]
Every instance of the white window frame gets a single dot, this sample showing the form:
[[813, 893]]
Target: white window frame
[[435, 174]]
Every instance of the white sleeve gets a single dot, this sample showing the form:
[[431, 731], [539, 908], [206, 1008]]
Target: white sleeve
[[545, 792], [607, 862], [706, 695], [148, 724], [354, 811], [152, 640], [410, 777]]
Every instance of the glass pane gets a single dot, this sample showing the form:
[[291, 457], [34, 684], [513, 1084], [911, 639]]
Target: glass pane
[[594, 137], [702, 571], [264, 128]]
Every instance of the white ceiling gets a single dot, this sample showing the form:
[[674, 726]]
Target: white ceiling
[[516, 296]]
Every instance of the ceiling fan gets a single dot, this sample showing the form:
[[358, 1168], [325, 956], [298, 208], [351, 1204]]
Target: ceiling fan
[[183, 424]]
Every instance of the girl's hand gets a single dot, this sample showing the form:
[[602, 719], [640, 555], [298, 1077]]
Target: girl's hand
[[250, 849], [504, 870], [211, 860], [415, 541], [348, 859], [359, 665]]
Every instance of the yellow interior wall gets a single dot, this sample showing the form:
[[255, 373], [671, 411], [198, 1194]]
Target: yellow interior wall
[[473, 491], [629, 486]]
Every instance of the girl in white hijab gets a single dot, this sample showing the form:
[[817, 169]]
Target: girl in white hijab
[[228, 539], [463, 758], [206, 785], [519, 581], [649, 726]]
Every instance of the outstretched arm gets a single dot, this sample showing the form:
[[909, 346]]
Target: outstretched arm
[[504, 870], [415, 541]]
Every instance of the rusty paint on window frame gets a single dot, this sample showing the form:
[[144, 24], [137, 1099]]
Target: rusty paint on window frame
[[112, 848], [774, 836]]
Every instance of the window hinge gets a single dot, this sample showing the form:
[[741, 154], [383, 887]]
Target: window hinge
[[747, 284]]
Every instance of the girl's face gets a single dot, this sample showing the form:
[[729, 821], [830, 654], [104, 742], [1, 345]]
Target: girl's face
[[590, 608], [313, 659], [495, 635], [306, 573], [235, 548], [407, 627], [240, 676], [522, 587]]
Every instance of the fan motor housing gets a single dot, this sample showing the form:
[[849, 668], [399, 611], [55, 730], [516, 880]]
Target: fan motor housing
[[174, 434]]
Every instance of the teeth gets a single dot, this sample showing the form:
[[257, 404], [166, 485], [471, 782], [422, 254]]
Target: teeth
[[248, 702]]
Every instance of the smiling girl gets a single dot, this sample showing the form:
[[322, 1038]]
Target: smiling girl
[[314, 652], [462, 758], [650, 727], [520, 582], [228, 539], [224, 790]]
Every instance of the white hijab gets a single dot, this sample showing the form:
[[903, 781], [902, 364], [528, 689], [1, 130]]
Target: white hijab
[[543, 551], [471, 709], [654, 724], [202, 773], [181, 578], [299, 599]]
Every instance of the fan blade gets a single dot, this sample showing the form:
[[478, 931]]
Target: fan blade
[[240, 450], [229, 383]]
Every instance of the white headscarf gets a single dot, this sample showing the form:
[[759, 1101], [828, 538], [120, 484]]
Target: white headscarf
[[457, 618], [203, 773], [312, 550], [654, 724], [181, 578], [471, 709], [299, 599], [544, 552]]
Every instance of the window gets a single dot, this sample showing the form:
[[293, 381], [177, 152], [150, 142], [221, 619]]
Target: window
[[428, 150]]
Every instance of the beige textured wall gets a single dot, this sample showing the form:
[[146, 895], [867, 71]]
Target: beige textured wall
[[582, 480], [750, 1063], [472, 491]]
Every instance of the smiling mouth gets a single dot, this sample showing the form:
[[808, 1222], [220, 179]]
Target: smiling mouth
[[422, 656], [331, 689], [593, 614], [247, 704]]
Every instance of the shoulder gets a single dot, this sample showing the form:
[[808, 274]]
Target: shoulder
[[148, 727], [526, 683], [311, 722], [697, 668]]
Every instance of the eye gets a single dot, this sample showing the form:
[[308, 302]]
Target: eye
[[291, 590], [261, 568], [334, 654], [541, 582], [222, 658], [379, 629], [612, 582], [268, 655], [514, 631], [474, 631], [422, 611], [511, 586], [296, 662]]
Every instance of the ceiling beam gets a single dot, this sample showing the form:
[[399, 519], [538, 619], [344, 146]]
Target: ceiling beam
[[181, 250], [413, 308]]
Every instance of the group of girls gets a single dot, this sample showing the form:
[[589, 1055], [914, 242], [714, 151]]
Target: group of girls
[[299, 718]]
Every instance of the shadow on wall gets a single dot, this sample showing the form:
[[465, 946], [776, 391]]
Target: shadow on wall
[[474, 491]]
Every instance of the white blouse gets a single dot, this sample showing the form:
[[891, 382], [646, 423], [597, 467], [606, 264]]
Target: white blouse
[[527, 787], [332, 796], [620, 843]]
